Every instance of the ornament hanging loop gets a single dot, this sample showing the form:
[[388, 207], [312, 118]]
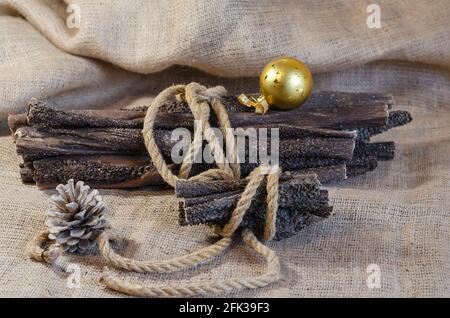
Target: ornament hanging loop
[[260, 104]]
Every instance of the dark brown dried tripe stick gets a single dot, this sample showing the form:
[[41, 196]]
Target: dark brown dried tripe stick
[[38, 143], [301, 201], [353, 109], [58, 144]]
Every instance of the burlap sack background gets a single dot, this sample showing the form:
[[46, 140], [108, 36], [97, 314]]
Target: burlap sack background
[[396, 217]]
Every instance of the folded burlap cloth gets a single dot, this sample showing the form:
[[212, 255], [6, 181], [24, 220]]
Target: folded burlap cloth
[[201, 101]]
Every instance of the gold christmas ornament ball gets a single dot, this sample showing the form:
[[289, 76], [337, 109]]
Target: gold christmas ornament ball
[[285, 83]]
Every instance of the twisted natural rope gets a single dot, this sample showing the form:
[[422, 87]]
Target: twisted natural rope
[[271, 275], [197, 97], [166, 266]]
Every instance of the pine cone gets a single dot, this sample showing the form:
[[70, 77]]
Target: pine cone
[[77, 217]]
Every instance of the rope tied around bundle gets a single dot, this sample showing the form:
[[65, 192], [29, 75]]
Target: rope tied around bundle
[[201, 101]]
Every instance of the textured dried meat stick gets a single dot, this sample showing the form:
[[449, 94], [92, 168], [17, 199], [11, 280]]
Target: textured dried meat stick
[[301, 201]]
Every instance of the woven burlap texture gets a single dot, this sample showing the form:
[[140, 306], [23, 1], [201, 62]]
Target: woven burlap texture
[[397, 217]]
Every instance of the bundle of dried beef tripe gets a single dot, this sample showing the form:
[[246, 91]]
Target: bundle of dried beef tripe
[[325, 140]]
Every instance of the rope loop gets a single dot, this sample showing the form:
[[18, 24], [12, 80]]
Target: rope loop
[[36, 251]]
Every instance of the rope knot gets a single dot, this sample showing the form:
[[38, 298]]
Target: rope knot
[[201, 93]]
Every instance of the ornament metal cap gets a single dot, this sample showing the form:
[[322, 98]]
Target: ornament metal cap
[[284, 83], [260, 104]]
